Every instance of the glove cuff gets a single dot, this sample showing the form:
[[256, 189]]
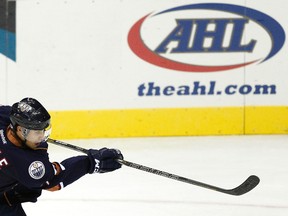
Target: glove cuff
[[94, 163], [4, 199]]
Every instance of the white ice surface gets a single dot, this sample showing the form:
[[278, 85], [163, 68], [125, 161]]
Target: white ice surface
[[223, 161]]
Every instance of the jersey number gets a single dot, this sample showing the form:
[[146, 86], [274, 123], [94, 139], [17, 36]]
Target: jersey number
[[3, 162]]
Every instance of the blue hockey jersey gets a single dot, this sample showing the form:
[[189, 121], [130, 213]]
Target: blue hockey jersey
[[32, 168]]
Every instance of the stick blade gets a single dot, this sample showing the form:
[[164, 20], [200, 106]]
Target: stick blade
[[250, 183]]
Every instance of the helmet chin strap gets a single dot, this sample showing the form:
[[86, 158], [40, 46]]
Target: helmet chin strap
[[16, 136], [25, 134]]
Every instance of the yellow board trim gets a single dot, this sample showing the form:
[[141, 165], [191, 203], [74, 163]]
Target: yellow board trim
[[266, 120], [169, 122]]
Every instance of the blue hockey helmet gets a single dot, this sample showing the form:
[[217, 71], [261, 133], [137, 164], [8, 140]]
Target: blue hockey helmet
[[30, 114]]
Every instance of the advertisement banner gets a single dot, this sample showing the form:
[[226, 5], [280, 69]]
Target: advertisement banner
[[149, 68]]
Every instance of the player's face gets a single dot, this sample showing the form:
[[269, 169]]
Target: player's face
[[34, 137]]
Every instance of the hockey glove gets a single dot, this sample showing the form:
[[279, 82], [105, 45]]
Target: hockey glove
[[19, 194], [104, 160]]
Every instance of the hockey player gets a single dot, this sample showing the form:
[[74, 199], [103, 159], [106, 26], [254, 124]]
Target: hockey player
[[25, 168]]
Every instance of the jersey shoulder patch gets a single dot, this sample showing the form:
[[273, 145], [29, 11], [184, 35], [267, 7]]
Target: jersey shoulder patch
[[36, 170]]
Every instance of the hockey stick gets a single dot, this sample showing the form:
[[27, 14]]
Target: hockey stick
[[250, 183]]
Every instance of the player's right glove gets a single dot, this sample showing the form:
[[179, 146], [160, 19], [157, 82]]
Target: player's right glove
[[104, 160]]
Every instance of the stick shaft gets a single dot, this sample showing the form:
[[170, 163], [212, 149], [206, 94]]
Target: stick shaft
[[168, 175], [67, 145], [250, 183]]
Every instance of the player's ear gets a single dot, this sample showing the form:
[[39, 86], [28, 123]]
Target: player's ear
[[19, 128]]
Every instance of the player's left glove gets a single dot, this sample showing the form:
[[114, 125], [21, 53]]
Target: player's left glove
[[19, 194], [104, 160]]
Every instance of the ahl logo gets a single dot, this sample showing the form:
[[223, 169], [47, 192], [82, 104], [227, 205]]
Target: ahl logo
[[206, 37]]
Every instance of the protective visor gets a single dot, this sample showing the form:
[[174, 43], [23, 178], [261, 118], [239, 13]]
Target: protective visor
[[47, 132], [37, 136]]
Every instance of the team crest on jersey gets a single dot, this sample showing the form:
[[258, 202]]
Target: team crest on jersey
[[36, 170]]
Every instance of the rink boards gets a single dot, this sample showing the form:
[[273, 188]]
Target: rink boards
[[170, 122], [125, 68]]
